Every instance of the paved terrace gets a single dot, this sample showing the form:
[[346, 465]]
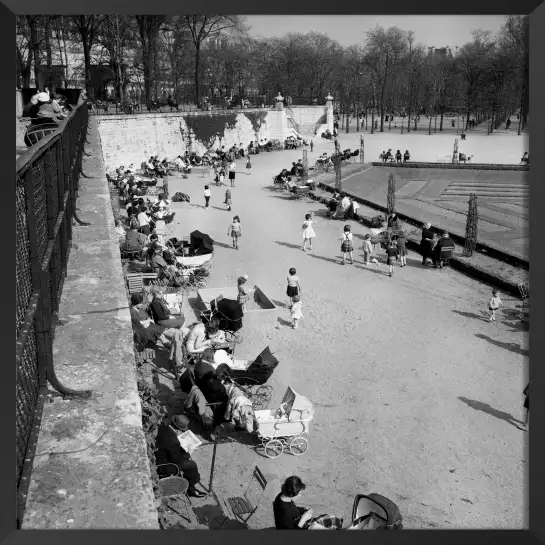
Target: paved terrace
[[441, 196]]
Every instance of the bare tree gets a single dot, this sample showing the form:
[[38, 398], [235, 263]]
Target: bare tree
[[86, 27], [200, 28], [386, 49]]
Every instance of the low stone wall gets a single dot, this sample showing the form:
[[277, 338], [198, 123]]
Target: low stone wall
[[452, 166], [91, 469], [130, 139]]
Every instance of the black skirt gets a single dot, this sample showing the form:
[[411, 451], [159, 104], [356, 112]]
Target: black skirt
[[292, 291], [231, 175]]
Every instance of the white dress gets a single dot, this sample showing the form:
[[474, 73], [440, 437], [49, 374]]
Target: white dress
[[308, 231]]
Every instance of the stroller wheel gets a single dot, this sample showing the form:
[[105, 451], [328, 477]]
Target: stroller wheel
[[298, 445], [274, 448]]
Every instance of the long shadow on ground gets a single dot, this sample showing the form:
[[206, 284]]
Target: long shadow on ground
[[512, 347], [222, 244], [288, 245], [480, 317], [485, 408], [330, 259]]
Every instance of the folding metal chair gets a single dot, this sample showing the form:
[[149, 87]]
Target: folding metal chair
[[237, 508]]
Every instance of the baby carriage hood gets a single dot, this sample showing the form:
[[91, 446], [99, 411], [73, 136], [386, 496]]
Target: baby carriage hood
[[201, 243], [387, 510], [297, 407]]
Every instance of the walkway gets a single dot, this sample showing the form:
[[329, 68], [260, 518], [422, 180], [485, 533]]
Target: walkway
[[416, 394]]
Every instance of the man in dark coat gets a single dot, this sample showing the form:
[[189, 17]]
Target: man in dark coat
[[169, 451], [444, 242]]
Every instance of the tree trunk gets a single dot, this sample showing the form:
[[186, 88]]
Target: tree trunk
[[47, 36], [197, 69], [373, 121], [35, 47], [441, 123]]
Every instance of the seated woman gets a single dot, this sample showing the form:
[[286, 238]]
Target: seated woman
[[239, 407], [444, 242], [134, 241], [195, 403], [393, 221], [160, 311], [287, 516], [197, 341], [211, 386]]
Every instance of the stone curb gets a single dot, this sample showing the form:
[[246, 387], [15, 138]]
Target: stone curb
[[451, 166]]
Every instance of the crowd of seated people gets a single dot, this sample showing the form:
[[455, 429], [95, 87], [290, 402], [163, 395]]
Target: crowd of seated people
[[389, 157]]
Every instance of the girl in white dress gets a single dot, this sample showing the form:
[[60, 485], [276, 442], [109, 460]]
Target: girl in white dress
[[308, 231]]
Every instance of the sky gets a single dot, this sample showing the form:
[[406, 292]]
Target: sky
[[429, 30]]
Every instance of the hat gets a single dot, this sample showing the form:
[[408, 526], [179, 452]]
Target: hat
[[42, 97], [180, 422]]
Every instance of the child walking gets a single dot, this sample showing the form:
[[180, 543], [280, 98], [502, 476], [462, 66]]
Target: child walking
[[367, 249], [308, 231], [249, 164], [228, 199], [294, 287], [221, 177], [494, 304], [207, 195], [346, 245], [391, 256], [296, 311], [402, 249], [235, 231], [243, 291]]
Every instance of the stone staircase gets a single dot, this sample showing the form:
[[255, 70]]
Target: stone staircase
[[496, 190]]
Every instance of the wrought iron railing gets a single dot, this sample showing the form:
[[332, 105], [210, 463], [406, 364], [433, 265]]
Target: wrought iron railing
[[46, 189]]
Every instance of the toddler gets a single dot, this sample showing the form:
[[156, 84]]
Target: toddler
[[296, 311], [494, 304]]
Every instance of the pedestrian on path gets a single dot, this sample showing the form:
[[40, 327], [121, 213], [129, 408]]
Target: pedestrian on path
[[207, 196], [232, 168], [346, 245], [235, 231], [296, 311], [402, 249], [222, 177], [294, 286], [494, 304], [308, 231], [367, 248], [228, 199], [391, 256], [249, 164], [526, 392], [244, 291], [311, 146]]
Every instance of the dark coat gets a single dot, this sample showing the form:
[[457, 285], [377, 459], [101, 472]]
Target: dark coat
[[426, 243]]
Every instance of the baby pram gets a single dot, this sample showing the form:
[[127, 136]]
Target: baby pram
[[370, 512], [375, 512], [286, 428]]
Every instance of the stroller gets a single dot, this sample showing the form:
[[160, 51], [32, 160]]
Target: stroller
[[375, 512]]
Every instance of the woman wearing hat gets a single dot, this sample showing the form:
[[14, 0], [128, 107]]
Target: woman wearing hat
[[169, 451], [160, 311]]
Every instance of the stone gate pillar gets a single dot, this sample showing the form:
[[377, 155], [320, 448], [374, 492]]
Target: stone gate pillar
[[329, 112]]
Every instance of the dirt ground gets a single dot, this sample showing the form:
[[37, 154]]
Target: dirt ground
[[417, 395]]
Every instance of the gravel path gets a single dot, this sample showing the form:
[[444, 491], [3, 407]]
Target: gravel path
[[413, 389]]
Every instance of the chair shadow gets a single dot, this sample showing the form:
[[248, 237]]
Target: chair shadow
[[288, 245], [480, 317], [220, 208], [512, 347], [485, 408], [212, 516]]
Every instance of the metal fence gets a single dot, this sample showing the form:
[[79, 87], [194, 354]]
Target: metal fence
[[46, 189]]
